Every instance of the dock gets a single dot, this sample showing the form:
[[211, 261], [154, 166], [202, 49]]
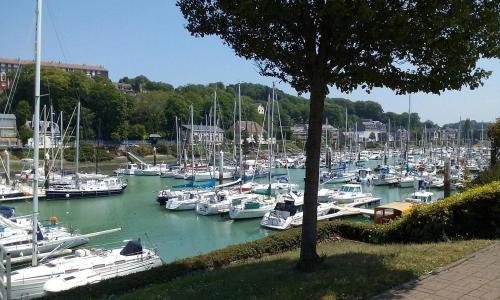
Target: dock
[[27, 190]]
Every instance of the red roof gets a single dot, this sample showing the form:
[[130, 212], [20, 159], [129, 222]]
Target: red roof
[[53, 64]]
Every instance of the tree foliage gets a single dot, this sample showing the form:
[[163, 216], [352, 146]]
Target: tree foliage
[[407, 46]]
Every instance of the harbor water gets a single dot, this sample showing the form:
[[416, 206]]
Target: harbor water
[[176, 234]]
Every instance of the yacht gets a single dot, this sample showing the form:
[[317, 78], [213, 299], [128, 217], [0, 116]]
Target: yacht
[[149, 170], [48, 239], [421, 197], [365, 175], [85, 266], [183, 200], [214, 203], [406, 181], [251, 206], [337, 177], [349, 193], [91, 188], [288, 212], [128, 170]]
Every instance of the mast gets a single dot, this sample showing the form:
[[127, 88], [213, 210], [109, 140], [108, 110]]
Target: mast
[[51, 131], [61, 144], [239, 132], [77, 158], [177, 141], [408, 133], [192, 142], [215, 132], [36, 133]]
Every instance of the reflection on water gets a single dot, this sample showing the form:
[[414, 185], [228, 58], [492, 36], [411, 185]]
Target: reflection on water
[[176, 234]]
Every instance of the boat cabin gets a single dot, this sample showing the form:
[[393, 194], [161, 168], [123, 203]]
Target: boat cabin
[[391, 211], [351, 188], [423, 197]]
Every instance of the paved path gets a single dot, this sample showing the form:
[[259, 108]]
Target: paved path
[[475, 277]]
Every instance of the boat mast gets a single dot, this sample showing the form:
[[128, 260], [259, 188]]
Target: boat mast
[[36, 133], [239, 132], [408, 133], [61, 142], [177, 141], [77, 158], [215, 132], [192, 142]]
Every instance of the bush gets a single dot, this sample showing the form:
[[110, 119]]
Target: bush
[[487, 176], [87, 153], [472, 214]]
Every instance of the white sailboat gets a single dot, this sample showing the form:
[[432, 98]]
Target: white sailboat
[[85, 266]]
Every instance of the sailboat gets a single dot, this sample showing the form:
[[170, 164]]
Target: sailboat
[[84, 186], [86, 266]]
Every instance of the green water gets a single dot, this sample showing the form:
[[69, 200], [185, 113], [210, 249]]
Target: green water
[[175, 234]]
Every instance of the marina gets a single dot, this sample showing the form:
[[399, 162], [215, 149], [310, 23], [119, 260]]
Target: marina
[[177, 234]]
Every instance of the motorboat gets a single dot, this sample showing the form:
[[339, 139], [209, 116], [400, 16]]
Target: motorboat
[[250, 207], [421, 197], [288, 211], [85, 266], [349, 193], [406, 181], [184, 200], [213, 203]]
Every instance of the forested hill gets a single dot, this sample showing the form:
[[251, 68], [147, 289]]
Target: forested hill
[[153, 106]]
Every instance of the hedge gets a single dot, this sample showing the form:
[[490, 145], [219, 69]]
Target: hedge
[[471, 214]]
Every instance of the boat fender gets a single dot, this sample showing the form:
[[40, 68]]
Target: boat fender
[[53, 220]]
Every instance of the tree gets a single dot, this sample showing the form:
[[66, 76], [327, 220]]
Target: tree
[[407, 46], [494, 136], [23, 112], [25, 133], [137, 132]]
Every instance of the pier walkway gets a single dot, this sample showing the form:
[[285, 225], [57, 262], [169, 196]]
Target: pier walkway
[[474, 277]]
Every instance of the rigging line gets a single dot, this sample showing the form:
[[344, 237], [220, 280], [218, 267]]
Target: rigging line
[[52, 22], [10, 98], [259, 144], [62, 141]]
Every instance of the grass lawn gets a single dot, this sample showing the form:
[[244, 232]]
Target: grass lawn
[[350, 270]]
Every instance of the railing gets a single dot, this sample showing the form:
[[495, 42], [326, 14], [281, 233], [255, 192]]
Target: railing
[[5, 274]]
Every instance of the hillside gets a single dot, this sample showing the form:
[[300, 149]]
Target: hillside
[[153, 106]]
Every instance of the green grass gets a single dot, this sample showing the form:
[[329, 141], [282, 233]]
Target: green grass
[[351, 270]]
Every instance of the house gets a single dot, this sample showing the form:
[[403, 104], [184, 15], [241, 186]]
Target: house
[[369, 130], [8, 131], [50, 135], [252, 130], [300, 131], [260, 109], [125, 88], [204, 134]]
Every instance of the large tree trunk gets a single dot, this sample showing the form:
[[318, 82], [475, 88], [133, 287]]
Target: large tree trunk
[[309, 259]]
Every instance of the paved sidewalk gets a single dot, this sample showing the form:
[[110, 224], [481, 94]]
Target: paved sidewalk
[[475, 277]]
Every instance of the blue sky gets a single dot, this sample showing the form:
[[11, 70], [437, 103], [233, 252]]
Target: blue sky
[[148, 37]]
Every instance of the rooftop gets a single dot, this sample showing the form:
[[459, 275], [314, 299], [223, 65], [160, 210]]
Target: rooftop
[[54, 64], [202, 128]]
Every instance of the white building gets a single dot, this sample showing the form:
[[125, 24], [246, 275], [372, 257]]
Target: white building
[[50, 136], [370, 131], [261, 110], [204, 134]]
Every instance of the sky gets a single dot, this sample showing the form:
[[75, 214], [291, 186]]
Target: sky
[[148, 38]]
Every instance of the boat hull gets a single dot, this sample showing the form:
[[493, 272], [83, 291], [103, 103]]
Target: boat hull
[[74, 194]]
